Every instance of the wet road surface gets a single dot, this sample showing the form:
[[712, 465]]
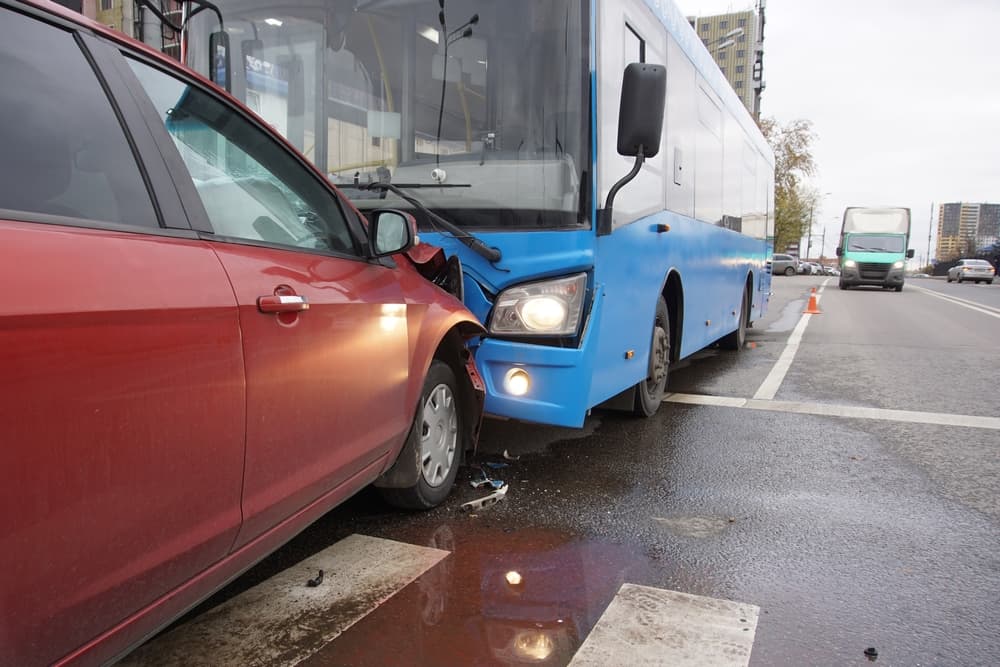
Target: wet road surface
[[846, 531]]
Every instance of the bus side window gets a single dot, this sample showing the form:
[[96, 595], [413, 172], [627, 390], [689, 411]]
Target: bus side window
[[635, 46]]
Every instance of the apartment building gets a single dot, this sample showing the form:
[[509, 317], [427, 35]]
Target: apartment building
[[965, 228], [736, 42]]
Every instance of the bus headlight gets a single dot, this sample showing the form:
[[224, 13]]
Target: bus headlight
[[545, 308], [849, 263]]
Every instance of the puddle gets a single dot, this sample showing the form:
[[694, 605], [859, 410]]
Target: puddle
[[790, 316], [504, 596]]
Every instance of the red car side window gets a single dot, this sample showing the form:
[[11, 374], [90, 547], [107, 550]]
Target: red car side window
[[250, 186], [58, 158]]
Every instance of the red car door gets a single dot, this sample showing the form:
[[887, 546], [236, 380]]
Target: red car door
[[122, 413], [325, 336], [121, 394], [325, 386]]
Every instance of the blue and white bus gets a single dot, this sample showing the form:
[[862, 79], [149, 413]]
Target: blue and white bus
[[496, 123]]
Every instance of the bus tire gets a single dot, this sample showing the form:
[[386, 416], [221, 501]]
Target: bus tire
[[649, 392], [737, 339]]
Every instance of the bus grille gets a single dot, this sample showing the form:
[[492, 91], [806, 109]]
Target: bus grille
[[873, 271]]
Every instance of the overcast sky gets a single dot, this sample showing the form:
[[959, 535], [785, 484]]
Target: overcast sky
[[904, 96]]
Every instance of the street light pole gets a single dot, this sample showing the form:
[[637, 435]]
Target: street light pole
[[930, 226], [809, 239], [809, 242]]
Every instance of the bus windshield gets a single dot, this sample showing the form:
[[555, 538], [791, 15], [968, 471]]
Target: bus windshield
[[483, 104]]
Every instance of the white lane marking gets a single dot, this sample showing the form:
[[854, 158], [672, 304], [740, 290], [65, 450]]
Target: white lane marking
[[281, 621], [652, 626], [971, 305], [702, 399], [828, 410], [769, 388]]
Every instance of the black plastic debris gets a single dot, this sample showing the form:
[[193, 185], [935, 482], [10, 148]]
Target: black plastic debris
[[313, 583], [481, 479]]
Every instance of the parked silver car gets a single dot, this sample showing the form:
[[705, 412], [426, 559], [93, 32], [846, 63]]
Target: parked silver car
[[784, 264], [978, 270], [810, 268]]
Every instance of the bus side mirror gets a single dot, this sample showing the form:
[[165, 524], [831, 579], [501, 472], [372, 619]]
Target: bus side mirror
[[220, 69], [640, 126], [640, 117], [840, 251], [909, 254]]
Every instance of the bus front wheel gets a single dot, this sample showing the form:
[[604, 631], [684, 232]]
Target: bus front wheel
[[649, 393]]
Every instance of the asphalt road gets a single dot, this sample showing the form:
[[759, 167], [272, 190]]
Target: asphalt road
[[846, 486]]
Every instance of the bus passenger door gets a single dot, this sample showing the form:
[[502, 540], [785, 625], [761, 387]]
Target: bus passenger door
[[630, 262]]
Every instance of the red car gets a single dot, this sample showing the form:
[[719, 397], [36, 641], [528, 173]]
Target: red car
[[203, 346]]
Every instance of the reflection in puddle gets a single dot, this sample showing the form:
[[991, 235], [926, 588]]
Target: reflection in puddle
[[508, 597]]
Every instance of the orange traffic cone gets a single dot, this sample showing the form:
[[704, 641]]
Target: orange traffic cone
[[813, 307]]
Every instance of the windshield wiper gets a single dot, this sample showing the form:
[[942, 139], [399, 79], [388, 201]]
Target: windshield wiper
[[486, 252], [414, 186]]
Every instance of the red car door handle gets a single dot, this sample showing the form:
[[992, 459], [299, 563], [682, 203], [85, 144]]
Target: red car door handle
[[282, 304]]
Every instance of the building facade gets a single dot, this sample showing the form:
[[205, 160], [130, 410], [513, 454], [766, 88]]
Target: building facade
[[965, 229], [736, 42], [116, 14], [135, 20]]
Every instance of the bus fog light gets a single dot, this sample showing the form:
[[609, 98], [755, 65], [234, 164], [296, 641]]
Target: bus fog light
[[517, 382]]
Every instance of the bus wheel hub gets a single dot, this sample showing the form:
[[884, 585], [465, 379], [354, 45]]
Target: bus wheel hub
[[658, 356]]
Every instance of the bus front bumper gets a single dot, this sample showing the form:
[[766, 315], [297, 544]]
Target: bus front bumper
[[557, 381]]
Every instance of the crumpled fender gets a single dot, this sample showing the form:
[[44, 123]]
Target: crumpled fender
[[426, 257]]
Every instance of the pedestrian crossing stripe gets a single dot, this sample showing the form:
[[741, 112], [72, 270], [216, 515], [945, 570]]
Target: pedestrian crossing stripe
[[283, 621], [652, 626]]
